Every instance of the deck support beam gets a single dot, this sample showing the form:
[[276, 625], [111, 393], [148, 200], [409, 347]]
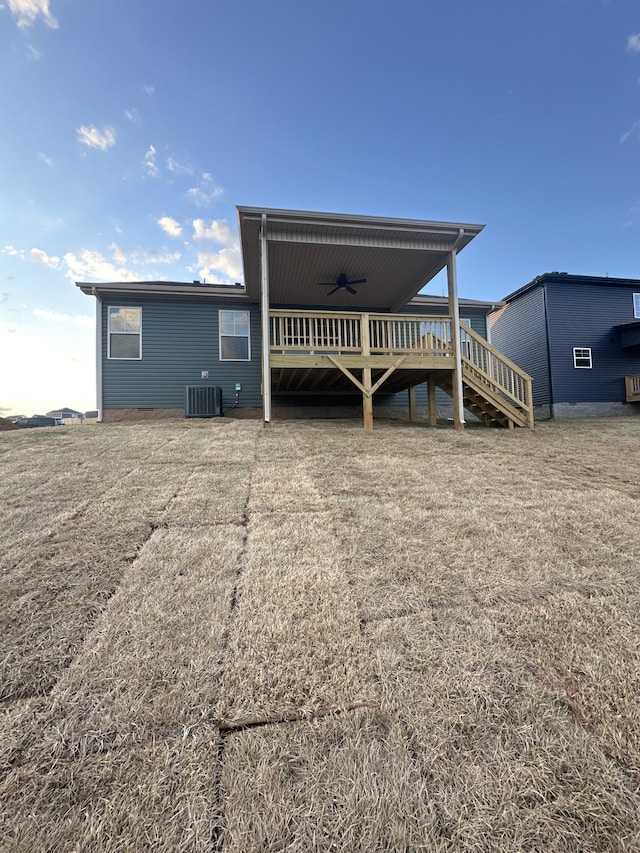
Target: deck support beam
[[454, 312], [264, 305]]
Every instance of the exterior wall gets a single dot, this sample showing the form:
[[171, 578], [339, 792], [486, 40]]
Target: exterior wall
[[519, 331], [179, 341], [583, 315]]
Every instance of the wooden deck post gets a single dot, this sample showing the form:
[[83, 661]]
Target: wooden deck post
[[367, 397], [431, 400], [413, 414], [454, 313], [266, 331]]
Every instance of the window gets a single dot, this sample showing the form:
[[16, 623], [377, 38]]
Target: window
[[636, 305], [582, 357], [234, 336], [125, 332]]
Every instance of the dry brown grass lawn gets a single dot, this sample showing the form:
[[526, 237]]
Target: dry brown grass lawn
[[310, 638]]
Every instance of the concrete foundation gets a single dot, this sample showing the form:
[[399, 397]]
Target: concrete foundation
[[595, 410]]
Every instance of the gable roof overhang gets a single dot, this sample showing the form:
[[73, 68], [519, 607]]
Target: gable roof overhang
[[397, 257], [164, 289], [550, 278]]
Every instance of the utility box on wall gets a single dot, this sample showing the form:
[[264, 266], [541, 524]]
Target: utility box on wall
[[203, 401]]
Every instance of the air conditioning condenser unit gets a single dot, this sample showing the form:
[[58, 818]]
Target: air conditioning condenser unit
[[203, 401]]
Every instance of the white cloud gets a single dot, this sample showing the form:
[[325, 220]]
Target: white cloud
[[44, 159], [149, 90], [89, 265], [223, 266], [634, 130], [205, 192], [93, 137], [133, 115], [82, 320], [40, 257], [13, 252], [149, 161], [170, 226], [179, 168], [140, 256], [633, 43], [26, 12], [119, 254], [34, 53], [218, 231]]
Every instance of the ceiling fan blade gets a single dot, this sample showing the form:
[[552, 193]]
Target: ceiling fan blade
[[337, 287], [357, 281], [350, 289], [328, 283]]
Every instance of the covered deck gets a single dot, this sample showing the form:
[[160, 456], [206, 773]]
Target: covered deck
[[314, 352], [330, 287]]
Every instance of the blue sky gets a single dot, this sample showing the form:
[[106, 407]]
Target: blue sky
[[132, 129]]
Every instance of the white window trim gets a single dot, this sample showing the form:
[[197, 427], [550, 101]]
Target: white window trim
[[222, 311], [138, 333], [577, 350], [636, 305]]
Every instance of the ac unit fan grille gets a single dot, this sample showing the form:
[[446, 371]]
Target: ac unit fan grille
[[203, 401]]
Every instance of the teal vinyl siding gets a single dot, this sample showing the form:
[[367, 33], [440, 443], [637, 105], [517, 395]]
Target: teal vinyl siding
[[180, 339]]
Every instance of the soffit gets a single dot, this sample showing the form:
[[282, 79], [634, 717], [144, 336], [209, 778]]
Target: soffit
[[398, 257]]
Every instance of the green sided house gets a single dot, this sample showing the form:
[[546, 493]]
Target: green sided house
[[330, 319]]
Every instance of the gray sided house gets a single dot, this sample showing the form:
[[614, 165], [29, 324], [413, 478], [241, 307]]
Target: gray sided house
[[330, 320], [579, 338]]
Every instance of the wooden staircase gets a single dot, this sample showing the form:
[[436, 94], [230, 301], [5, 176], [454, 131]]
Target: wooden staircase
[[494, 389]]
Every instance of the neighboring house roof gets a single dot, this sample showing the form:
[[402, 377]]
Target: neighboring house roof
[[566, 278], [426, 301], [64, 412], [397, 257]]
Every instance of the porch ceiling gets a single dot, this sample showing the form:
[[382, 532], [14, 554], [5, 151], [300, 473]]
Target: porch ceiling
[[398, 257]]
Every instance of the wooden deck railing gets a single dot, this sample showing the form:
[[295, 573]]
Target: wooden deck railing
[[632, 387], [495, 372], [314, 332], [349, 333]]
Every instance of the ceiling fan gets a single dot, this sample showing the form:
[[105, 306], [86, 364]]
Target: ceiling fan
[[342, 283]]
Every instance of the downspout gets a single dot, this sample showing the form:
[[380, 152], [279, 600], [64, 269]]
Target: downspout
[[98, 353], [487, 322], [547, 336], [454, 311], [264, 300]]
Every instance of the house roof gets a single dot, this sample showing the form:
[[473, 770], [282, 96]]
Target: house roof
[[566, 278], [167, 289], [397, 257]]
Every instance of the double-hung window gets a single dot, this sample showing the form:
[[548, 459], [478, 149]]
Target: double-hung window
[[582, 357], [125, 332], [234, 336], [636, 305]]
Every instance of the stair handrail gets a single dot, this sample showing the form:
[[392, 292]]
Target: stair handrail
[[494, 369]]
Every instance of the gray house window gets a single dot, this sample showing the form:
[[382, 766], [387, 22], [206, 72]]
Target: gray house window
[[125, 333], [636, 305], [234, 336], [582, 357]]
